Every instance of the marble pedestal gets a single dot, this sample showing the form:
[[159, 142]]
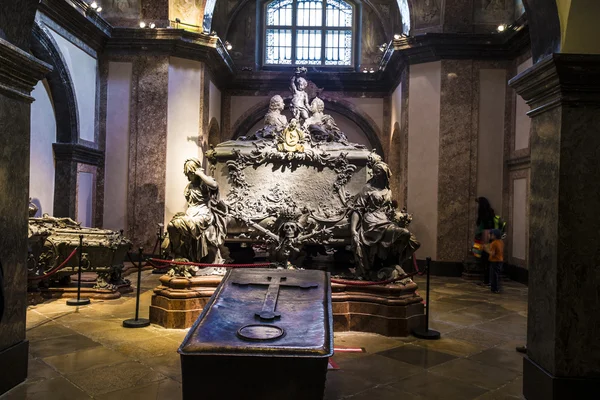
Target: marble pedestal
[[390, 310], [178, 301]]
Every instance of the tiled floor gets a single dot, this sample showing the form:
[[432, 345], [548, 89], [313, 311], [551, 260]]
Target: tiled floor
[[85, 353]]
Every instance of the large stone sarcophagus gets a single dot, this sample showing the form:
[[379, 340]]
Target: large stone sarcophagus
[[260, 183]]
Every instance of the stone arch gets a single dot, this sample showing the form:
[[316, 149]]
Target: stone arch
[[60, 83], [369, 128], [403, 5]]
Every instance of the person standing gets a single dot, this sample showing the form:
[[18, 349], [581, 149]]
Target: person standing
[[496, 259], [485, 222]]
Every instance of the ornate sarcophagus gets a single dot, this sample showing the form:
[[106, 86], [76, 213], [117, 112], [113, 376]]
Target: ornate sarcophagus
[[52, 240], [265, 334]]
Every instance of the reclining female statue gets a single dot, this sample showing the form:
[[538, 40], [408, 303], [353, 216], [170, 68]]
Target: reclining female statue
[[380, 241], [199, 233]]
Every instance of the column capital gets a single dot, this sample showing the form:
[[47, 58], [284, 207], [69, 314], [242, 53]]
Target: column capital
[[560, 79], [19, 71]]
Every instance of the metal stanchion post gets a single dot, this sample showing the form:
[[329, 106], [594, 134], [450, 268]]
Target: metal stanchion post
[[79, 301], [160, 236], [137, 322], [427, 333]]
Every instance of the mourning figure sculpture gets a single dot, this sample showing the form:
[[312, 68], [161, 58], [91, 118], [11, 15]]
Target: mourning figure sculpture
[[198, 234], [380, 239]]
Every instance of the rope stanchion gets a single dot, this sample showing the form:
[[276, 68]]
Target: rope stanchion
[[137, 322], [79, 301], [55, 269], [427, 333]]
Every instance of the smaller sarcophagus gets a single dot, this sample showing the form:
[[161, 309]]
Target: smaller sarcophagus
[[265, 334], [52, 240]]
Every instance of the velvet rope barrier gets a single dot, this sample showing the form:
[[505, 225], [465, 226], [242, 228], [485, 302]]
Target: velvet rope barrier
[[55, 269], [204, 265]]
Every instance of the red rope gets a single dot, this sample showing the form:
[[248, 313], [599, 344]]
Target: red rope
[[371, 283], [55, 269], [168, 262]]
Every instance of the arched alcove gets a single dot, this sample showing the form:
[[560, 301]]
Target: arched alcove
[[214, 132], [60, 84]]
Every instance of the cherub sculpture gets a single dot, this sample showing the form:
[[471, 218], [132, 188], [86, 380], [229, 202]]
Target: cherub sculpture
[[300, 106]]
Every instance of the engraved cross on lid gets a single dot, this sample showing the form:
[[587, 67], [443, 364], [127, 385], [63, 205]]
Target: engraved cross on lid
[[274, 282]]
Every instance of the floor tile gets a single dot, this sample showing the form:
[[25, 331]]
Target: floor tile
[[416, 355], [475, 373], [379, 369], [456, 347], [106, 379], [512, 324], [167, 364], [501, 358], [435, 387], [48, 330], [85, 359], [341, 383], [166, 389], [147, 348], [371, 342], [385, 393], [51, 389], [480, 337], [60, 345], [37, 371]]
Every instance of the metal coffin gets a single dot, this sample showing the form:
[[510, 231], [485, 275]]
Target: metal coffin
[[265, 334]]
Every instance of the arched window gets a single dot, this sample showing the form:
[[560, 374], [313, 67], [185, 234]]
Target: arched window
[[309, 32]]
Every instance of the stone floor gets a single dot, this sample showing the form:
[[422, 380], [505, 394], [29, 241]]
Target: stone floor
[[86, 353]]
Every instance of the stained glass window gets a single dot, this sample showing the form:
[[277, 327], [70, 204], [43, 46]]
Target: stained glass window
[[309, 32]]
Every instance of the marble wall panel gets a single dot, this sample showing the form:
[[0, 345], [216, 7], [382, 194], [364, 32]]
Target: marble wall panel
[[490, 154], [147, 148], [423, 154], [517, 241], [183, 120], [156, 11], [456, 134], [86, 195], [117, 144]]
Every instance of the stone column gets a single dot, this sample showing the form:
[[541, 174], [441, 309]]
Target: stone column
[[19, 73], [147, 149], [563, 360]]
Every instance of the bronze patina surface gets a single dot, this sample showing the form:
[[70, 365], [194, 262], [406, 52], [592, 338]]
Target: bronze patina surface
[[297, 302]]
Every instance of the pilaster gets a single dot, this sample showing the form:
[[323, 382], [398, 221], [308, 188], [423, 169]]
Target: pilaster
[[563, 91]]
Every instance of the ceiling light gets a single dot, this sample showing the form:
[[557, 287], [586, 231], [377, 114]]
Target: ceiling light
[[152, 25], [228, 46], [142, 24], [397, 36], [99, 9], [365, 71], [501, 28], [371, 70], [94, 5]]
